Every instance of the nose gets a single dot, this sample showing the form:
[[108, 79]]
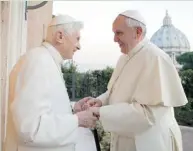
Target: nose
[[78, 47], [116, 38]]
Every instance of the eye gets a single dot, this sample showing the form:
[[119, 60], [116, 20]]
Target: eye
[[119, 33]]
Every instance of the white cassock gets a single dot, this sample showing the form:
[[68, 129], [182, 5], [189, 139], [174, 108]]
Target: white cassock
[[40, 117], [138, 105]]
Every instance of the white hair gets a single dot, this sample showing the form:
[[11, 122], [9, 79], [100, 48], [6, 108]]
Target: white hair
[[69, 29], [134, 24]]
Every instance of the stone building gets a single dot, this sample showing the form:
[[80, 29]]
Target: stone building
[[171, 40]]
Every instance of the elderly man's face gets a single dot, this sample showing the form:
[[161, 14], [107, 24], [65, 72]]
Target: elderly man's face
[[68, 44], [125, 36]]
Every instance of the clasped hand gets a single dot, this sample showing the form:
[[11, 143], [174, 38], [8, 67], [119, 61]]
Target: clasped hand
[[87, 110]]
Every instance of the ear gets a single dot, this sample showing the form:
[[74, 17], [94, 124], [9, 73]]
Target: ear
[[59, 36], [139, 32]]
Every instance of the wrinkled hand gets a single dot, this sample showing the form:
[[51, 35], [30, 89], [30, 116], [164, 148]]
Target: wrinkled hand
[[96, 111], [92, 102], [79, 106], [87, 119]]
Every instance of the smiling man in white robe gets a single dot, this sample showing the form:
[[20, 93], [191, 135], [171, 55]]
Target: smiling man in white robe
[[40, 117], [144, 88]]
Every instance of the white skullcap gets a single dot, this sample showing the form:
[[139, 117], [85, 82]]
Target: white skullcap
[[63, 19], [134, 14]]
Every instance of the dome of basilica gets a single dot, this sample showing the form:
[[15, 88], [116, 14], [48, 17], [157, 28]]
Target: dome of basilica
[[170, 39]]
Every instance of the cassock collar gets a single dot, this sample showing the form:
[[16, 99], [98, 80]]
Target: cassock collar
[[54, 52], [137, 48]]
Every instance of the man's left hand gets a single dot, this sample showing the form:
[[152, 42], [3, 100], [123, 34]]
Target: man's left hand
[[79, 106]]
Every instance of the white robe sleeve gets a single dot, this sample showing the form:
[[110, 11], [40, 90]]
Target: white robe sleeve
[[104, 98], [35, 122], [129, 119], [72, 104]]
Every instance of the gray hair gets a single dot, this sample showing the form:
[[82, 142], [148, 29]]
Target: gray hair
[[69, 29], [134, 24]]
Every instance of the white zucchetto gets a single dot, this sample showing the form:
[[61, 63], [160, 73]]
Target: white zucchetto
[[134, 14], [63, 19]]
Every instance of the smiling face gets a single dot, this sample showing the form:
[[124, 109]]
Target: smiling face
[[124, 35]]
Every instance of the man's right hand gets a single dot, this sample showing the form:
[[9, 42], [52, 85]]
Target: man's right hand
[[86, 119], [92, 102]]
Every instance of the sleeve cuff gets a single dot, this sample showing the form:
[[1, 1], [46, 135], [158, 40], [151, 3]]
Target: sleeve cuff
[[103, 98], [75, 119], [72, 105]]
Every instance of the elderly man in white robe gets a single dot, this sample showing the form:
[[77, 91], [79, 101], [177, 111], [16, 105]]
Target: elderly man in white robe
[[40, 116], [138, 106]]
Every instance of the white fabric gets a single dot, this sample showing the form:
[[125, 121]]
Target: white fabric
[[40, 115], [138, 105], [148, 76], [72, 104], [85, 141], [134, 14], [141, 128]]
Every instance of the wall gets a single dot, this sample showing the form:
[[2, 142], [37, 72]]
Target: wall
[[15, 33], [38, 19], [3, 61]]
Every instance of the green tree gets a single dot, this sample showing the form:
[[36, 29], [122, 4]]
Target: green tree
[[184, 114], [186, 73], [94, 83], [186, 60], [72, 78], [187, 81]]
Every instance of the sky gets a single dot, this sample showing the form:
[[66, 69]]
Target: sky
[[98, 49]]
